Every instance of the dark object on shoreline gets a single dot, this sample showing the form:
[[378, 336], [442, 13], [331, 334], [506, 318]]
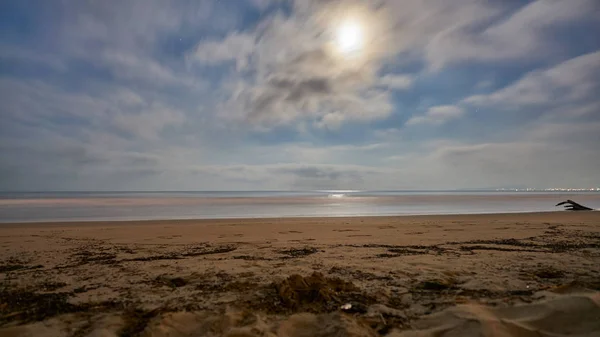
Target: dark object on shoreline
[[571, 205]]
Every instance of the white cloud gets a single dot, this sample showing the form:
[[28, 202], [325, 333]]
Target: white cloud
[[526, 34], [235, 47], [437, 115], [130, 26], [521, 162], [571, 81], [148, 123], [127, 98], [36, 103], [19, 54], [396, 82], [139, 68], [331, 121], [581, 135], [33, 101], [134, 111], [289, 73]]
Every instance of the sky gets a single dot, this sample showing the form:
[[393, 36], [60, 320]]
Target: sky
[[299, 95]]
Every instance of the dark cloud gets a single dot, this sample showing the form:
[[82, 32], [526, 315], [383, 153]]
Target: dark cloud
[[313, 173]]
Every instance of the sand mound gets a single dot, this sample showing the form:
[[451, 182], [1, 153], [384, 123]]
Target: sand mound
[[572, 315], [575, 315], [315, 293]]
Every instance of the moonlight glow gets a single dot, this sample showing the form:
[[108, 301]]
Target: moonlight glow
[[350, 37]]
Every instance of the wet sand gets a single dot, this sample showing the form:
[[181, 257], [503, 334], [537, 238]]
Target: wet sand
[[535, 274]]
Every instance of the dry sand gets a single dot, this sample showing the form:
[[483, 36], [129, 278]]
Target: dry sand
[[532, 274]]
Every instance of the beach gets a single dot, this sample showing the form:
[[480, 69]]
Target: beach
[[518, 274]]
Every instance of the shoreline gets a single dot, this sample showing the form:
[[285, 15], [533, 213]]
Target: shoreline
[[78, 222], [196, 208]]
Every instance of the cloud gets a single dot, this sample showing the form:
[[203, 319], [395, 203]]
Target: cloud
[[235, 47], [583, 136], [33, 101], [570, 81], [526, 34], [19, 54], [255, 95], [133, 26], [263, 4], [522, 163], [396, 82], [150, 72], [288, 72], [39, 104], [295, 176], [60, 163], [148, 124], [437, 115], [125, 39]]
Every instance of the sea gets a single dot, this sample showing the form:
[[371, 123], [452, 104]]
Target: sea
[[121, 206]]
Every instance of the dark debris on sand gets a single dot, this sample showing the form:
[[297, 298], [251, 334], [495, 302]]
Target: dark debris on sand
[[52, 286], [299, 252], [208, 251], [526, 245], [251, 258], [17, 263], [471, 248], [437, 285], [549, 273], [398, 250], [154, 258], [25, 306], [359, 274], [223, 282], [191, 252], [136, 321], [5, 268], [172, 282], [86, 256], [314, 293]]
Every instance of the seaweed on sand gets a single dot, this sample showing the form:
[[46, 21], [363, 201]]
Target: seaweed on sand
[[315, 293]]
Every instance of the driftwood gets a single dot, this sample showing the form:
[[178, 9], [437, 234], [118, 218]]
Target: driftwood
[[571, 205]]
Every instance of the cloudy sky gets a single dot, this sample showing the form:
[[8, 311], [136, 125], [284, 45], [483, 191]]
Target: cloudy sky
[[305, 94]]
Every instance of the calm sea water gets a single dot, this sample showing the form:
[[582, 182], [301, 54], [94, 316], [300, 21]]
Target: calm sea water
[[78, 206]]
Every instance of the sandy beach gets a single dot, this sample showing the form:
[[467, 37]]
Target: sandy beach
[[535, 274]]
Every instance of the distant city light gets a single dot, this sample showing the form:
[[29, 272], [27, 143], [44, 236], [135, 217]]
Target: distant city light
[[591, 189]]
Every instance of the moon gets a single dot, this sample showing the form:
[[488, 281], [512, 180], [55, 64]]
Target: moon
[[350, 37]]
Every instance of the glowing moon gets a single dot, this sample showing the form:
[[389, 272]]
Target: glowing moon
[[350, 37]]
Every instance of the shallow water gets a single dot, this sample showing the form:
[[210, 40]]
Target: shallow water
[[78, 206]]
